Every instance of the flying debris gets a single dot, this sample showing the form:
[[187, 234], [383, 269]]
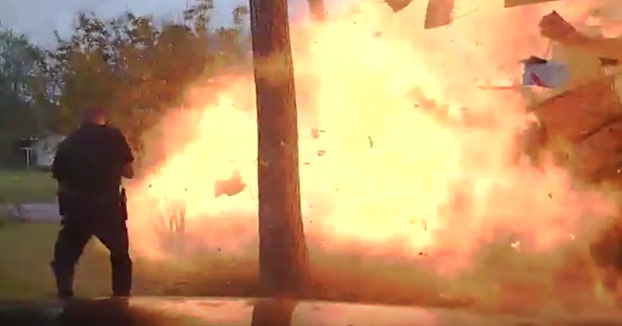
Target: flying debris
[[398, 5], [229, 187], [439, 13], [565, 115], [516, 3], [605, 62], [544, 73]]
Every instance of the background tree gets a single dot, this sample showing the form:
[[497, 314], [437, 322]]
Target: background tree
[[136, 68], [283, 257], [18, 119]]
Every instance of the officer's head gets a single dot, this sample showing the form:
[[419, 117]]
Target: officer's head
[[94, 116]]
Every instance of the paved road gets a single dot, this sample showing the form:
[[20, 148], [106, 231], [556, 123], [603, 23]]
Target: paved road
[[149, 311], [35, 212]]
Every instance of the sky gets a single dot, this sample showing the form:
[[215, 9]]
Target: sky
[[38, 19]]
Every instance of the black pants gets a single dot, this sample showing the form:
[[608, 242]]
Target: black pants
[[74, 235]]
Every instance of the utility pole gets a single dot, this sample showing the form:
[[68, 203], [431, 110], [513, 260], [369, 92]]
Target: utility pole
[[283, 258]]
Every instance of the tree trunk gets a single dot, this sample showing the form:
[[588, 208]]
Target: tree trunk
[[316, 8], [283, 259]]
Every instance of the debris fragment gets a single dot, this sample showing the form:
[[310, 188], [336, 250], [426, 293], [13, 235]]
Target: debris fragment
[[229, 187], [439, 13], [535, 60], [371, 142], [608, 62], [566, 115], [321, 152], [315, 133], [543, 73], [516, 3], [398, 5]]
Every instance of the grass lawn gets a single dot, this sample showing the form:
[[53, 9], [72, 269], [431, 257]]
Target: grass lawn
[[25, 271], [22, 186]]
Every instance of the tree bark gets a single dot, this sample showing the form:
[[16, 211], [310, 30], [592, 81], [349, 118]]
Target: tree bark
[[316, 8], [283, 259]]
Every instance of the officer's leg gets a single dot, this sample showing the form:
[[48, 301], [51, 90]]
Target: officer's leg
[[114, 236], [69, 246]]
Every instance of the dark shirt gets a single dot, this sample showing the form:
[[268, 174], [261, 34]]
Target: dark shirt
[[91, 160]]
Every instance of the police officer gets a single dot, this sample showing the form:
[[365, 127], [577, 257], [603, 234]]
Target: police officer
[[88, 166]]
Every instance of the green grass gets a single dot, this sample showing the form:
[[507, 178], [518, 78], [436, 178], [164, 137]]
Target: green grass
[[22, 186], [25, 271], [23, 266]]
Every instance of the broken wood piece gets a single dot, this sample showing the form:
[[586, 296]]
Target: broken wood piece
[[608, 62], [584, 108], [516, 3], [534, 60], [600, 153], [398, 5], [439, 13], [229, 187]]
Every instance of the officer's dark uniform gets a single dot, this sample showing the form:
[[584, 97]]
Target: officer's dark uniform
[[88, 166]]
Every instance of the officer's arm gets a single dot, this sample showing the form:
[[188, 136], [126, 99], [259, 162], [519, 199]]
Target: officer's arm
[[60, 162], [127, 157]]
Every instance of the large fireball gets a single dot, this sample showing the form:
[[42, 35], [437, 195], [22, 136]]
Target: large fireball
[[406, 146]]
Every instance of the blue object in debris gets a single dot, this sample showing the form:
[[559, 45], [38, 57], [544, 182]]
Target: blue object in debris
[[543, 73]]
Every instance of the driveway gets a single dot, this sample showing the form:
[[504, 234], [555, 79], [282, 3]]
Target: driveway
[[34, 212]]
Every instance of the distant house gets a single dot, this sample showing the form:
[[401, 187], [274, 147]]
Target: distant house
[[44, 150]]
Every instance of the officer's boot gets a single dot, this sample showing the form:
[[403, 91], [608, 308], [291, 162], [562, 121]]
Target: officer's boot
[[64, 280]]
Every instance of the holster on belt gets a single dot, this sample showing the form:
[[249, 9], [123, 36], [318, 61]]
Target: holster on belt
[[71, 202]]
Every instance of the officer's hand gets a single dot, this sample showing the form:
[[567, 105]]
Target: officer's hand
[[555, 27]]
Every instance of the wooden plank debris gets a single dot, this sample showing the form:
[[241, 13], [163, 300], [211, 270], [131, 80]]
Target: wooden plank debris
[[516, 3], [439, 13]]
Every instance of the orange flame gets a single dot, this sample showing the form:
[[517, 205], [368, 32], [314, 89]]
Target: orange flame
[[403, 150]]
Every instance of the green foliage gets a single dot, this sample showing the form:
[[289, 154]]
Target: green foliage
[[131, 66], [18, 60], [23, 186], [134, 68]]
